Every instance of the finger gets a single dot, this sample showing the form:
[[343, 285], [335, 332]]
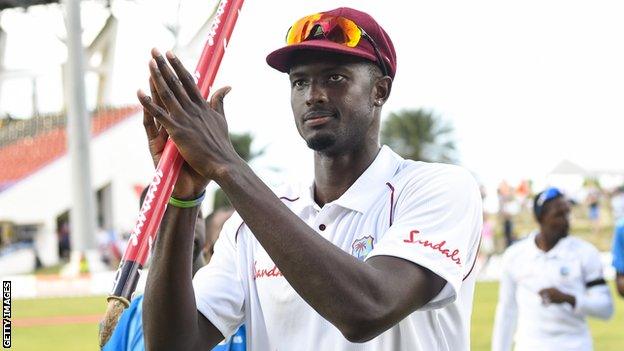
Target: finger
[[154, 93], [155, 111], [187, 79], [148, 122], [156, 99], [171, 78], [167, 97], [216, 101], [163, 132]]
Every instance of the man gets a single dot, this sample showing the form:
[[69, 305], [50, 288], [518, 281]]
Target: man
[[378, 250], [617, 251], [617, 203], [550, 282], [128, 334]]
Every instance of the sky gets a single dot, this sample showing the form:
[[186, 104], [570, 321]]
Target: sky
[[526, 84]]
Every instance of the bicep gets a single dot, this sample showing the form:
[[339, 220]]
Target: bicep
[[408, 286], [430, 247]]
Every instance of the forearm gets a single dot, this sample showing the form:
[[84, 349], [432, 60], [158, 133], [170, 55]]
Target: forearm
[[595, 302], [344, 290], [169, 311]]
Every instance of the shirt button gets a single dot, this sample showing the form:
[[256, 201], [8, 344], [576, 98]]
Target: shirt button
[[322, 227]]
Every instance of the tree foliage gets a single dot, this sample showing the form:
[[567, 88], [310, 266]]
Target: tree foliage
[[242, 145], [419, 135]]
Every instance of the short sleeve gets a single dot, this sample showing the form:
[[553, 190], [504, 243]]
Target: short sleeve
[[219, 291], [617, 249], [437, 226], [592, 265]]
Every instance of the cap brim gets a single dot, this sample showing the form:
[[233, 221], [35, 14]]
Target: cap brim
[[280, 59]]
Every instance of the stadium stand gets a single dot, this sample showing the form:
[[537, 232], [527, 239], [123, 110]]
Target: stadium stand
[[28, 145]]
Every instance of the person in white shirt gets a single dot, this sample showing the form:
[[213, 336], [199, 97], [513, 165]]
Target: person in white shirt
[[376, 254], [550, 282]]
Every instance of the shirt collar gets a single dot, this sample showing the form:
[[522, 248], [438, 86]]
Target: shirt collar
[[552, 252], [365, 190]]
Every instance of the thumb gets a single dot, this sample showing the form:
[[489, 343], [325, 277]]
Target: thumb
[[216, 101]]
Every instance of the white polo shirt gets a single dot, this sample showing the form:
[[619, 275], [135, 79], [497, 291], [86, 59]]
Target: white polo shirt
[[526, 269], [426, 213]]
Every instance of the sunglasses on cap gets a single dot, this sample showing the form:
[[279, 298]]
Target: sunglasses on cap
[[337, 29]]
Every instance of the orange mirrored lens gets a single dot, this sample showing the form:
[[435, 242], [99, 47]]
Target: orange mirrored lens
[[301, 29], [337, 29], [350, 30]]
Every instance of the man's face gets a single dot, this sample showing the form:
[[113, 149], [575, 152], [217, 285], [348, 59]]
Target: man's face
[[555, 221], [332, 98]]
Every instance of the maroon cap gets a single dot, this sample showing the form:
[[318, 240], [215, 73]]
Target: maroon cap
[[280, 59]]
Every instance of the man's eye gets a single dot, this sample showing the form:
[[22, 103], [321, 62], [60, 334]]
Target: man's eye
[[298, 83], [336, 78]]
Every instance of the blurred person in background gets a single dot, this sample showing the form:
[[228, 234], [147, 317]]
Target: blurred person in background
[[617, 203], [486, 248], [617, 251], [487, 240], [64, 245], [523, 194], [550, 282], [128, 335], [108, 247], [507, 209], [508, 228], [593, 206]]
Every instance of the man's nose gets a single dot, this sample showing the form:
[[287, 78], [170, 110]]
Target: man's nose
[[316, 95]]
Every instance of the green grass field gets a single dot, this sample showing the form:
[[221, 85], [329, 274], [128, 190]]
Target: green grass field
[[83, 337]]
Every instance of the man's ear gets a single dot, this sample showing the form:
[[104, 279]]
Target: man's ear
[[381, 90]]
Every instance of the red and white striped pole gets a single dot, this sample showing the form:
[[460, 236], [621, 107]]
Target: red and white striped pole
[[144, 233]]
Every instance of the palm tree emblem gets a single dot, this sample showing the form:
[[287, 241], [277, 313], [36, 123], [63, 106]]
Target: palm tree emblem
[[362, 247]]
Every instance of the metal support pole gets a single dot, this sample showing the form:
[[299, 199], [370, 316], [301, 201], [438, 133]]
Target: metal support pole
[[82, 217], [35, 97], [3, 39]]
